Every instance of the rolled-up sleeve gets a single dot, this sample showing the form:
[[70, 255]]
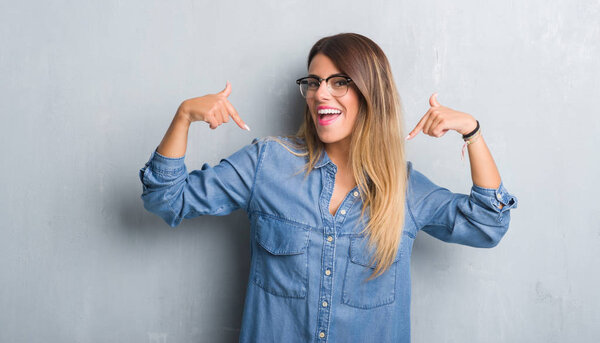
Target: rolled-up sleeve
[[170, 192], [475, 219]]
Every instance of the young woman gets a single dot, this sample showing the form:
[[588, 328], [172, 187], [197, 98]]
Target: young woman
[[335, 208]]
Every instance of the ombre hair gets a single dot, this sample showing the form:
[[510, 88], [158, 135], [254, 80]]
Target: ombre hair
[[377, 153]]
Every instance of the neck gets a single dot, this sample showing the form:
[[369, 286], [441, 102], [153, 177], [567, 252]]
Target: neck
[[339, 153]]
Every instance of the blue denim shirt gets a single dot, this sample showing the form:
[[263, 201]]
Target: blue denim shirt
[[307, 271]]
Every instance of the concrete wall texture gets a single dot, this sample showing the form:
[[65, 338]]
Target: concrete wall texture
[[88, 89]]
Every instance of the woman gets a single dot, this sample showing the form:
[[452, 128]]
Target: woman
[[335, 208]]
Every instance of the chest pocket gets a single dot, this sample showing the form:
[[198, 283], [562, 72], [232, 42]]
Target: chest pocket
[[281, 260], [357, 292]]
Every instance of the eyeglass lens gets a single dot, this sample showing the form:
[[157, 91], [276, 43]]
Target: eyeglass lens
[[338, 86]]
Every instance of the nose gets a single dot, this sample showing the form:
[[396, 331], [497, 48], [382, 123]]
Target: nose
[[322, 92]]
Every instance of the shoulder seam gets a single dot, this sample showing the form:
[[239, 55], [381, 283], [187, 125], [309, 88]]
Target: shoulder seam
[[410, 212], [261, 154]]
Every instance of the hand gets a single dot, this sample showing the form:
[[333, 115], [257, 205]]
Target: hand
[[439, 119], [214, 109]]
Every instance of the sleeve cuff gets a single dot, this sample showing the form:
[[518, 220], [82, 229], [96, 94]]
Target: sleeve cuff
[[496, 196], [166, 165]]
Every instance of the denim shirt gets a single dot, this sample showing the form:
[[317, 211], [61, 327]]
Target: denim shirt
[[307, 270]]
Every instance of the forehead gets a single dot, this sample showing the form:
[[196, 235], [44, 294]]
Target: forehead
[[322, 66]]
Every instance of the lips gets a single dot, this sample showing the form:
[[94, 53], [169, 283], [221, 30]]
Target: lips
[[328, 118]]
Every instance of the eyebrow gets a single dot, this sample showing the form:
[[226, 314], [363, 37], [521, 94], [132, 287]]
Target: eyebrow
[[336, 74]]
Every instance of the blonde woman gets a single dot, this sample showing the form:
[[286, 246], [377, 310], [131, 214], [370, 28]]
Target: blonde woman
[[333, 209]]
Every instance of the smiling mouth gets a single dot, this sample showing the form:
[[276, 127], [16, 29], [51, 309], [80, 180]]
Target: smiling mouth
[[328, 118]]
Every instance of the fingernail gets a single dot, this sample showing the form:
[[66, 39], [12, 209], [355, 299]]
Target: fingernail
[[246, 126], [407, 137]]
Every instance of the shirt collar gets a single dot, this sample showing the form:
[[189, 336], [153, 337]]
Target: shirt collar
[[323, 160]]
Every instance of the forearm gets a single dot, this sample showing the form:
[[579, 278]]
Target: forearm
[[174, 143], [483, 168]]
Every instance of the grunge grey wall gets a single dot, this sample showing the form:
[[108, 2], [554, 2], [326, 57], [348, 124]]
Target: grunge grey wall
[[88, 89]]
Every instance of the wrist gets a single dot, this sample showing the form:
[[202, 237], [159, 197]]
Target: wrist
[[182, 116], [470, 127]]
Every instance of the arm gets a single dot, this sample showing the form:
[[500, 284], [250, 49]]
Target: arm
[[215, 109], [483, 168], [174, 143], [480, 219], [172, 193]]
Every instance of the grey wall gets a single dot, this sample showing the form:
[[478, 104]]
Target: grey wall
[[89, 89]]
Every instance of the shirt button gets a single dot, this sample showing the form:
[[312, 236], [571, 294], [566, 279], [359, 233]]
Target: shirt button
[[324, 303], [343, 211], [355, 194], [322, 334], [327, 272], [329, 238]]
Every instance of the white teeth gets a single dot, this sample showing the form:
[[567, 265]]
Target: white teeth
[[329, 111]]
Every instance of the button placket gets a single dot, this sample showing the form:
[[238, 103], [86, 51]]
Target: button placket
[[345, 206], [328, 252]]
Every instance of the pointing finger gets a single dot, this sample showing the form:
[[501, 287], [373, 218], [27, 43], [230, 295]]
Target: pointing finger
[[236, 116], [419, 126]]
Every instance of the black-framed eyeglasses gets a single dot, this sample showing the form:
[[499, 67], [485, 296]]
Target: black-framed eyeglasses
[[337, 84]]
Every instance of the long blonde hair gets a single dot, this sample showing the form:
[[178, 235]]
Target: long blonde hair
[[376, 149]]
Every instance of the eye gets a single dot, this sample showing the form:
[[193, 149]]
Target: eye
[[339, 82], [312, 83]]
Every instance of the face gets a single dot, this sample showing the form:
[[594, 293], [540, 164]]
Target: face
[[332, 128]]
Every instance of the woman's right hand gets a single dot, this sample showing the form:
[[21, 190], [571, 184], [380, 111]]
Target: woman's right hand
[[214, 109]]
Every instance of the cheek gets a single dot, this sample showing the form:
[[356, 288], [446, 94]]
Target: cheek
[[352, 111], [310, 105], [352, 104]]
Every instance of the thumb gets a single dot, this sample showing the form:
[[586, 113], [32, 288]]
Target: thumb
[[227, 89], [433, 100]]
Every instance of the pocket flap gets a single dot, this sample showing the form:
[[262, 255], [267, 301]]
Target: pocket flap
[[360, 253], [281, 237]]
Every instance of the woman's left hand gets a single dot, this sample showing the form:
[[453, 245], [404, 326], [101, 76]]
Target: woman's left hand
[[439, 119]]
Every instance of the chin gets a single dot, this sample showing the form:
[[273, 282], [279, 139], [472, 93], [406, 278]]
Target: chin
[[328, 138]]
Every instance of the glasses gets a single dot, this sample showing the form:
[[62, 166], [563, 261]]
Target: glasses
[[336, 84]]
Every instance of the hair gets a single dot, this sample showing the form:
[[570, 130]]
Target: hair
[[380, 174]]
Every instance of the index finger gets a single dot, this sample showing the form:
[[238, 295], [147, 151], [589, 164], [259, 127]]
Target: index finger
[[236, 116], [419, 126]]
